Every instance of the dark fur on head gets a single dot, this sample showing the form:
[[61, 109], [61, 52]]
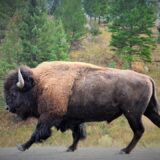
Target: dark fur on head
[[21, 101]]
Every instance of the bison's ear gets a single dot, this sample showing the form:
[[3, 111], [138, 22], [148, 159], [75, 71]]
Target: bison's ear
[[25, 79]]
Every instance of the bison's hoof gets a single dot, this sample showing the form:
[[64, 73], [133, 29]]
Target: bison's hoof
[[70, 149], [21, 148], [123, 151]]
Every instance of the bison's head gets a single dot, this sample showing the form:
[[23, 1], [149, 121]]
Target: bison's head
[[19, 92]]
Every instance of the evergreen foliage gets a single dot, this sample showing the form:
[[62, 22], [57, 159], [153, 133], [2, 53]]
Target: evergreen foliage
[[72, 15], [95, 8], [35, 37], [7, 10], [131, 23]]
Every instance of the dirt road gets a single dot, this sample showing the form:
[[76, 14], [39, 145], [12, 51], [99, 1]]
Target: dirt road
[[58, 153]]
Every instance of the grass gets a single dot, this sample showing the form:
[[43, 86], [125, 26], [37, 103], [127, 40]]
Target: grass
[[95, 50], [116, 133]]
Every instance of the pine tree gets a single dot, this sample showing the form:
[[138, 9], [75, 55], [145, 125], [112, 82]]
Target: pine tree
[[95, 8], [72, 15], [88, 6], [11, 45], [130, 24], [7, 10], [35, 37]]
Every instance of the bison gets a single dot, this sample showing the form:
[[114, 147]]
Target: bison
[[65, 95]]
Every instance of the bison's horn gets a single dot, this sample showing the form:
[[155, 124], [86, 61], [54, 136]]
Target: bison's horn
[[20, 83]]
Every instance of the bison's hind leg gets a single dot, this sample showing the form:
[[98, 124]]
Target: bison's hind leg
[[78, 133], [137, 128]]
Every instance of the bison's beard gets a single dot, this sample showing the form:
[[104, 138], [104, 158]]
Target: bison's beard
[[22, 115], [25, 112], [19, 119]]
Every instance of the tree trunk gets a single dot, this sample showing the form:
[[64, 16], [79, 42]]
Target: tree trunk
[[99, 20]]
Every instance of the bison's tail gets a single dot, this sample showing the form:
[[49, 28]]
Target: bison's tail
[[153, 108], [154, 99]]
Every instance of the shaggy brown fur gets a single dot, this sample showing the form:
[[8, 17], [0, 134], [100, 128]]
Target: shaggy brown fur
[[55, 81]]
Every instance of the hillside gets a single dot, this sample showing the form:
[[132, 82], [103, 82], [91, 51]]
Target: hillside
[[94, 50]]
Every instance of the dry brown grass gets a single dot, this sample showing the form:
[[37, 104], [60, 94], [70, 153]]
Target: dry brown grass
[[94, 50]]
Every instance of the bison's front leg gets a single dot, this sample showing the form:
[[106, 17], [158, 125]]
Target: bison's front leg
[[42, 132]]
